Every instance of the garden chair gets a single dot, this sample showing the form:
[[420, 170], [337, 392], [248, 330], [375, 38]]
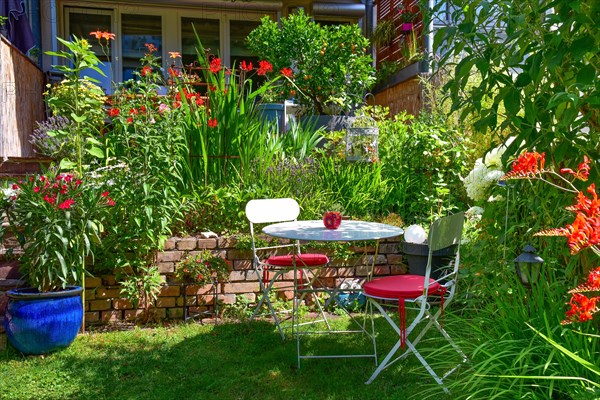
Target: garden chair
[[265, 211], [420, 293]]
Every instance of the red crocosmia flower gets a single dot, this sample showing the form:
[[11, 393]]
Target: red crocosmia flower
[[134, 111], [200, 276], [287, 72], [129, 120], [582, 308], [246, 67], [110, 202], [583, 170], [527, 165], [113, 112], [174, 72], [64, 189], [199, 101], [212, 88], [263, 67], [68, 177], [78, 182], [212, 123], [151, 47], [105, 194], [215, 65], [36, 189], [15, 186], [146, 70], [49, 199], [65, 205], [143, 108]]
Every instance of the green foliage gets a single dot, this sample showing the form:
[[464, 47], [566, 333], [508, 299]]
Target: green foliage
[[79, 100], [331, 68], [538, 61], [142, 288], [202, 269], [58, 219], [424, 161]]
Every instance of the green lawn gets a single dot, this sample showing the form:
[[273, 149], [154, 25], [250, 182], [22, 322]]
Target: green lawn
[[193, 361]]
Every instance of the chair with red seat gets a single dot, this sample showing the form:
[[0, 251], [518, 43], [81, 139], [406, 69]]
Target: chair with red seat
[[266, 211], [420, 293]]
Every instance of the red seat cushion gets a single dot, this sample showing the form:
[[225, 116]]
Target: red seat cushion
[[400, 287], [302, 259]]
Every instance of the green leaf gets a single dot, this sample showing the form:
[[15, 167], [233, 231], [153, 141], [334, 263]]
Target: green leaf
[[96, 152], [77, 118], [512, 102], [523, 79], [586, 75]]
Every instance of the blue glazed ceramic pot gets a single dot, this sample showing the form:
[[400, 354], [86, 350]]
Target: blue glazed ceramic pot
[[38, 323]]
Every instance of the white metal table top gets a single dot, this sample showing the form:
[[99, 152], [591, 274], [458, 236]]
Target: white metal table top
[[348, 231]]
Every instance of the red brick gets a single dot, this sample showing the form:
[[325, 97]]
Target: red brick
[[240, 287], [92, 316], [158, 313], [228, 298], [122, 304], [166, 267], [380, 270], [206, 300], [132, 315], [109, 280], [198, 290], [191, 301], [108, 293], [111, 316], [165, 302], [242, 264], [217, 253], [188, 243], [389, 248], [207, 243], [224, 243], [170, 291], [236, 254], [333, 272], [92, 282], [363, 249], [398, 269], [169, 256], [90, 294], [100, 305], [395, 259], [236, 276], [170, 244]]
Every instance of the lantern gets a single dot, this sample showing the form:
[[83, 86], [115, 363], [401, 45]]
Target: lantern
[[528, 266]]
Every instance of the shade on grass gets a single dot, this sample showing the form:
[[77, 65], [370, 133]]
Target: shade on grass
[[227, 361]]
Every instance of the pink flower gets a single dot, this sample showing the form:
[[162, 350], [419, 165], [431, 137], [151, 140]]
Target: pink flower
[[66, 204]]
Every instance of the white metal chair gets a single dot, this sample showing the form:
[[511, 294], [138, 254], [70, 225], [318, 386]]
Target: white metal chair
[[265, 211], [421, 293]]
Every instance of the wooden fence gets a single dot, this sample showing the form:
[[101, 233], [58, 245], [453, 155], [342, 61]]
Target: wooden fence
[[21, 104]]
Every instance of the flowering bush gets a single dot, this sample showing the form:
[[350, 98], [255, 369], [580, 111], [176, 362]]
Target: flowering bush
[[582, 233], [486, 173], [58, 219], [202, 269]]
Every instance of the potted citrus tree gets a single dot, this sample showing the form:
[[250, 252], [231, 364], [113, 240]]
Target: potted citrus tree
[[327, 67]]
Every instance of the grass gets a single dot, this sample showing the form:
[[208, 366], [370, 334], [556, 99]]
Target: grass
[[227, 361]]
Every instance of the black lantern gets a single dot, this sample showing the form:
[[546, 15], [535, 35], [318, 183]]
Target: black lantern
[[528, 265]]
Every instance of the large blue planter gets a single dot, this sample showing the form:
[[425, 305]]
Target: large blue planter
[[38, 323]]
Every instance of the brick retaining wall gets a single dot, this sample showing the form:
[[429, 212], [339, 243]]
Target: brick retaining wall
[[104, 303]]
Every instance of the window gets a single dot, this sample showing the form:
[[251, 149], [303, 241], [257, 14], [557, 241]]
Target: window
[[137, 31], [80, 23], [209, 32], [238, 31]]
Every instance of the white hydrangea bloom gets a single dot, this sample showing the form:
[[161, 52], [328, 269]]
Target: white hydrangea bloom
[[486, 173]]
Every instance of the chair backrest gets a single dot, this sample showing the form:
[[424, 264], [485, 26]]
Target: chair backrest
[[266, 211], [263, 211], [446, 232]]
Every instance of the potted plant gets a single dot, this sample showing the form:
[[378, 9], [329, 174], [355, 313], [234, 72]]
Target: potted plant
[[58, 218], [384, 33], [407, 18], [329, 68]]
